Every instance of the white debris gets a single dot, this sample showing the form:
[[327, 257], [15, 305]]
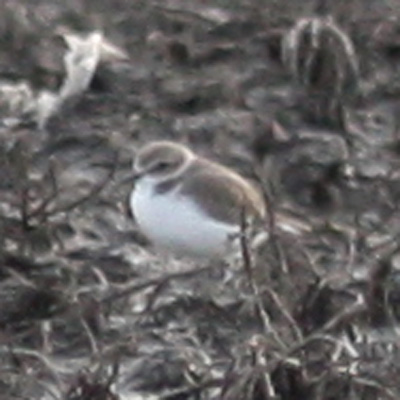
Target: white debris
[[15, 98], [84, 54]]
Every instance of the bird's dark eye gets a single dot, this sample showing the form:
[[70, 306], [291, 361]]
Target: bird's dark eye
[[162, 166]]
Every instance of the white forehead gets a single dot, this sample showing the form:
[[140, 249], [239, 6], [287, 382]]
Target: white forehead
[[158, 151]]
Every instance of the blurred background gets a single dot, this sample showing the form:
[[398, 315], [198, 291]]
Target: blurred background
[[301, 97]]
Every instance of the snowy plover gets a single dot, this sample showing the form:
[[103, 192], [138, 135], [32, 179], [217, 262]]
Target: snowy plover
[[187, 204]]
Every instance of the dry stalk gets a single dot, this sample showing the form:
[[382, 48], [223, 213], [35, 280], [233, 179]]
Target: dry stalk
[[248, 267], [159, 281], [321, 56], [358, 307], [52, 366], [285, 312], [271, 222], [308, 36], [45, 213]]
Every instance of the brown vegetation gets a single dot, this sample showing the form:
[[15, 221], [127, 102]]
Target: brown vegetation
[[89, 311]]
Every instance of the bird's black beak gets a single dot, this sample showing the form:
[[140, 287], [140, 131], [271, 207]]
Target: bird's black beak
[[132, 178]]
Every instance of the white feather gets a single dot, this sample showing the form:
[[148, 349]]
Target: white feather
[[174, 222]]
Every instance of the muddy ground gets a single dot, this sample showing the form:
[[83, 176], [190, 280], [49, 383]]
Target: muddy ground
[[89, 310]]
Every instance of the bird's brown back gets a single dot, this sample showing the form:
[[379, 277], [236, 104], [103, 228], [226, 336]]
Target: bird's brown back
[[221, 192]]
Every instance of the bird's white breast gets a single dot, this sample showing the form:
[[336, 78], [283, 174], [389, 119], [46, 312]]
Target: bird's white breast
[[176, 223]]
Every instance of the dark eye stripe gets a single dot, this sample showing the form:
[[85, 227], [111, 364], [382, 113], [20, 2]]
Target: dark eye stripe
[[161, 166]]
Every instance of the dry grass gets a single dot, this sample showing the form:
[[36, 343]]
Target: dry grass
[[89, 311]]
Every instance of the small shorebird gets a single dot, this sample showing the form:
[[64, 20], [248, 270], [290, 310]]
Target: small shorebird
[[189, 205]]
